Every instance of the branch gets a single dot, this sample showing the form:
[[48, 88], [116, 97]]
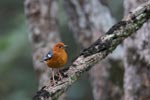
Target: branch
[[97, 51]]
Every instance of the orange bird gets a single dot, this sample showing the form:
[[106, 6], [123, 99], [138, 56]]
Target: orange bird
[[56, 58]]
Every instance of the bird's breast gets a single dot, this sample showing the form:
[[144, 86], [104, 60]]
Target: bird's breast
[[58, 60]]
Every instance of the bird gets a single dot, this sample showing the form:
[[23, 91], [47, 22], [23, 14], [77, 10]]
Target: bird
[[56, 59]]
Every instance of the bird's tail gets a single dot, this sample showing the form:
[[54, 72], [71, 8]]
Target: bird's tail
[[42, 60]]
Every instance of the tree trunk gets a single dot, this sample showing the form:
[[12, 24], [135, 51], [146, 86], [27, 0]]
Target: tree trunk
[[44, 33], [89, 19], [42, 23], [137, 59]]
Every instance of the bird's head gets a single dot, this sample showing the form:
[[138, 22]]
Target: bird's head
[[59, 46]]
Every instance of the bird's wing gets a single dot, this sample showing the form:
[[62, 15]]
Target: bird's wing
[[49, 55]]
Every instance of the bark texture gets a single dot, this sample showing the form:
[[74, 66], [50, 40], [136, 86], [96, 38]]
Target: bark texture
[[97, 51], [90, 19], [137, 59]]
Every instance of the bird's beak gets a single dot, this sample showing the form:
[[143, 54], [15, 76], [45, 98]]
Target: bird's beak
[[65, 46]]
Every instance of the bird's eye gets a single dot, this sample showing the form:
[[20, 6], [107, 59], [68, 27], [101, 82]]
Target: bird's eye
[[59, 46]]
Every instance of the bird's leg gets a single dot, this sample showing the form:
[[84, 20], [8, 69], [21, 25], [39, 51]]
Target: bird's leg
[[53, 77], [59, 74]]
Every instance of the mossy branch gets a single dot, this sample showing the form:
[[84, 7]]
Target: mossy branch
[[97, 51]]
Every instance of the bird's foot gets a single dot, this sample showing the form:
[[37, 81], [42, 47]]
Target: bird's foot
[[54, 83], [60, 76]]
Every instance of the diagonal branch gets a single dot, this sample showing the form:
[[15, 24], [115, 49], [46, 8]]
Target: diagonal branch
[[97, 51]]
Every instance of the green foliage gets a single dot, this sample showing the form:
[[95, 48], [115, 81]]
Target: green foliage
[[9, 10], [10, 45], [16, 68]]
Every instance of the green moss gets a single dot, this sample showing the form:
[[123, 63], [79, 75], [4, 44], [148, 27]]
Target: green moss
[[73, 78]]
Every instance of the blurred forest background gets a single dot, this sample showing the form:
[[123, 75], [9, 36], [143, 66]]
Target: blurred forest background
[[17, 76]]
